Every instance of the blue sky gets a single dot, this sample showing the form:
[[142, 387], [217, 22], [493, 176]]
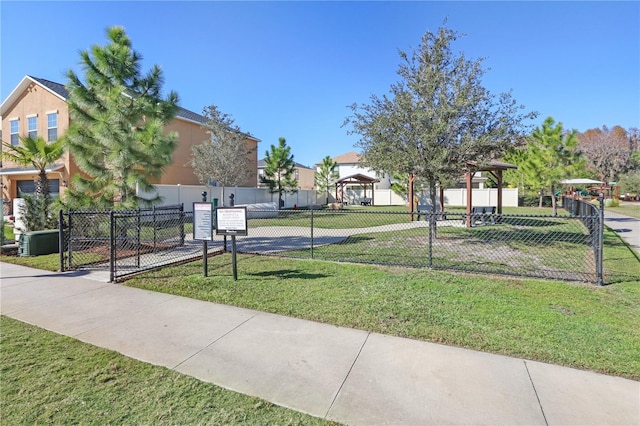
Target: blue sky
[[291, 68]]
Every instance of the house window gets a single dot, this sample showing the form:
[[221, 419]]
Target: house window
[[13, 131], [32, 126], [52, 127]]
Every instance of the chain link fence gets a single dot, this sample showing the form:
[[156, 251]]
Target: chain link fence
[[564, 247], [556, 247], [127, 242]]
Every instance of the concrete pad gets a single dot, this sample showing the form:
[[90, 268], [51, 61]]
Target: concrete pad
[[290, 362], [169, 333], [85, 311], [406, 382], [29, 294], [575, 397]]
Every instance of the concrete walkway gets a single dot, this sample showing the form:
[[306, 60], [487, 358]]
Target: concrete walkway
[[627, 227], [346, 375]]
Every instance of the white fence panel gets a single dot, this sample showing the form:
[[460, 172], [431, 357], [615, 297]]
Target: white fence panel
[[188, 194]]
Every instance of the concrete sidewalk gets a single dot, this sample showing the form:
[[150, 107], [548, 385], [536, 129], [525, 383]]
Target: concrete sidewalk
[[346, 375], [627, 227]]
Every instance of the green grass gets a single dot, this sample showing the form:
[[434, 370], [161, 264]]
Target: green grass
[[9, 236], [576, 325], [628, 210], [52, 379]]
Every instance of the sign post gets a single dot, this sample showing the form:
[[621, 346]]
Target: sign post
[[203, 228], [232, 221]]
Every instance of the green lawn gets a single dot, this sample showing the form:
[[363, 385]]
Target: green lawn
[[52, 379], [577, 325], [572, 324], [632, 210]]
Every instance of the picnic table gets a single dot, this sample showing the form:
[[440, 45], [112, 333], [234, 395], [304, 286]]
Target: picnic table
[[483, 214], [424, 211], [365, 202]]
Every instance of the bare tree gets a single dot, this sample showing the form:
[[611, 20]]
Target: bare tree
[[608, 151], [224, 157]]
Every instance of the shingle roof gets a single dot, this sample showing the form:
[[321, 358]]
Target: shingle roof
[[262, 164], [348, 158], [63, 92], [53, 86]]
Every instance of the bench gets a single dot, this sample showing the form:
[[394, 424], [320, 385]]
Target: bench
[[482, 214], [424, 210], [365, 202]]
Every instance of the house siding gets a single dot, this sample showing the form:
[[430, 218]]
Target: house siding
[[36, 99]]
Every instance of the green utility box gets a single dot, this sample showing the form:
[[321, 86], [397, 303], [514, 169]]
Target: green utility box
[[35, 243]]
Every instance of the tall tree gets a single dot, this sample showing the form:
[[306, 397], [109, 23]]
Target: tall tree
[[607, 151], [279, 170], [116, 135], [550, 155], [437, 117], [326, 175], [224, 157], [38, 153]]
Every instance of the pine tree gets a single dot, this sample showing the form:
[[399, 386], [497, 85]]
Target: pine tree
[[116, 135], [326, 175], [279, 170], [550, 156]]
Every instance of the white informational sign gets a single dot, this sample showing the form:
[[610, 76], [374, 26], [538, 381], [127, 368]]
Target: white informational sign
[[231, 221], [203, 221]]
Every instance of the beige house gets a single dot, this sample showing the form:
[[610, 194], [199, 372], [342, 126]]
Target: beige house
[[38, 107], [303, 174], [349, 165]]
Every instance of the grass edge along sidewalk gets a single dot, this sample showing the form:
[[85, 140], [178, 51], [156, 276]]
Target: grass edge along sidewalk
[[571, 324], [50, 378]]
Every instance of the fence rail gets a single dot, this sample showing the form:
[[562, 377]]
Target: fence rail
[[565, 247]]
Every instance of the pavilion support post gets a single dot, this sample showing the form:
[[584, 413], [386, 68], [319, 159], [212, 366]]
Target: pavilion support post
[[412, 179], [469, 176], [499, 178]]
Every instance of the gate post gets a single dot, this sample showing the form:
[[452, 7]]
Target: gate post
[[600, 242], [61, 239], [112, 247]]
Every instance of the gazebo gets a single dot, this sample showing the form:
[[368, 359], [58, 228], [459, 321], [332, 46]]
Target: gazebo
[[357, 179], [495, 168]]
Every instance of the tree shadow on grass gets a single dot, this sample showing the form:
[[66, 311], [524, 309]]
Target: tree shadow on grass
[[286, 274]]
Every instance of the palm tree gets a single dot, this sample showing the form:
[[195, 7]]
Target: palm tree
[[38, 153]]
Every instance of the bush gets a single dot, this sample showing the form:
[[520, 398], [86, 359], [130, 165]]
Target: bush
[[36, 214], [533, 200]]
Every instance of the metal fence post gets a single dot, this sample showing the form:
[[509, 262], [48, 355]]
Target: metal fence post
[[312, 232], [432, 227], [69, 235], [112, 247], [600, 239], [61, 239]]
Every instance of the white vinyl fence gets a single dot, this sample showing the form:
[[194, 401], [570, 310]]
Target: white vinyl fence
[[188, 194]]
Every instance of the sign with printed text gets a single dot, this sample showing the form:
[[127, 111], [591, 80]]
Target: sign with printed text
[[203, 221], [231, 221]]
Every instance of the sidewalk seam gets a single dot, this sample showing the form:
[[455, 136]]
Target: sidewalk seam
[[333, 401], [214, 341], [536, 392]]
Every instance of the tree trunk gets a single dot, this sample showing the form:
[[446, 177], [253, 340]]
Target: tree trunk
[[554, 204], [432, 219]]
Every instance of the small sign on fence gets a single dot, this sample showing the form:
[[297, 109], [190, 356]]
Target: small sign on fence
[[203, 221], [231, 221]]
